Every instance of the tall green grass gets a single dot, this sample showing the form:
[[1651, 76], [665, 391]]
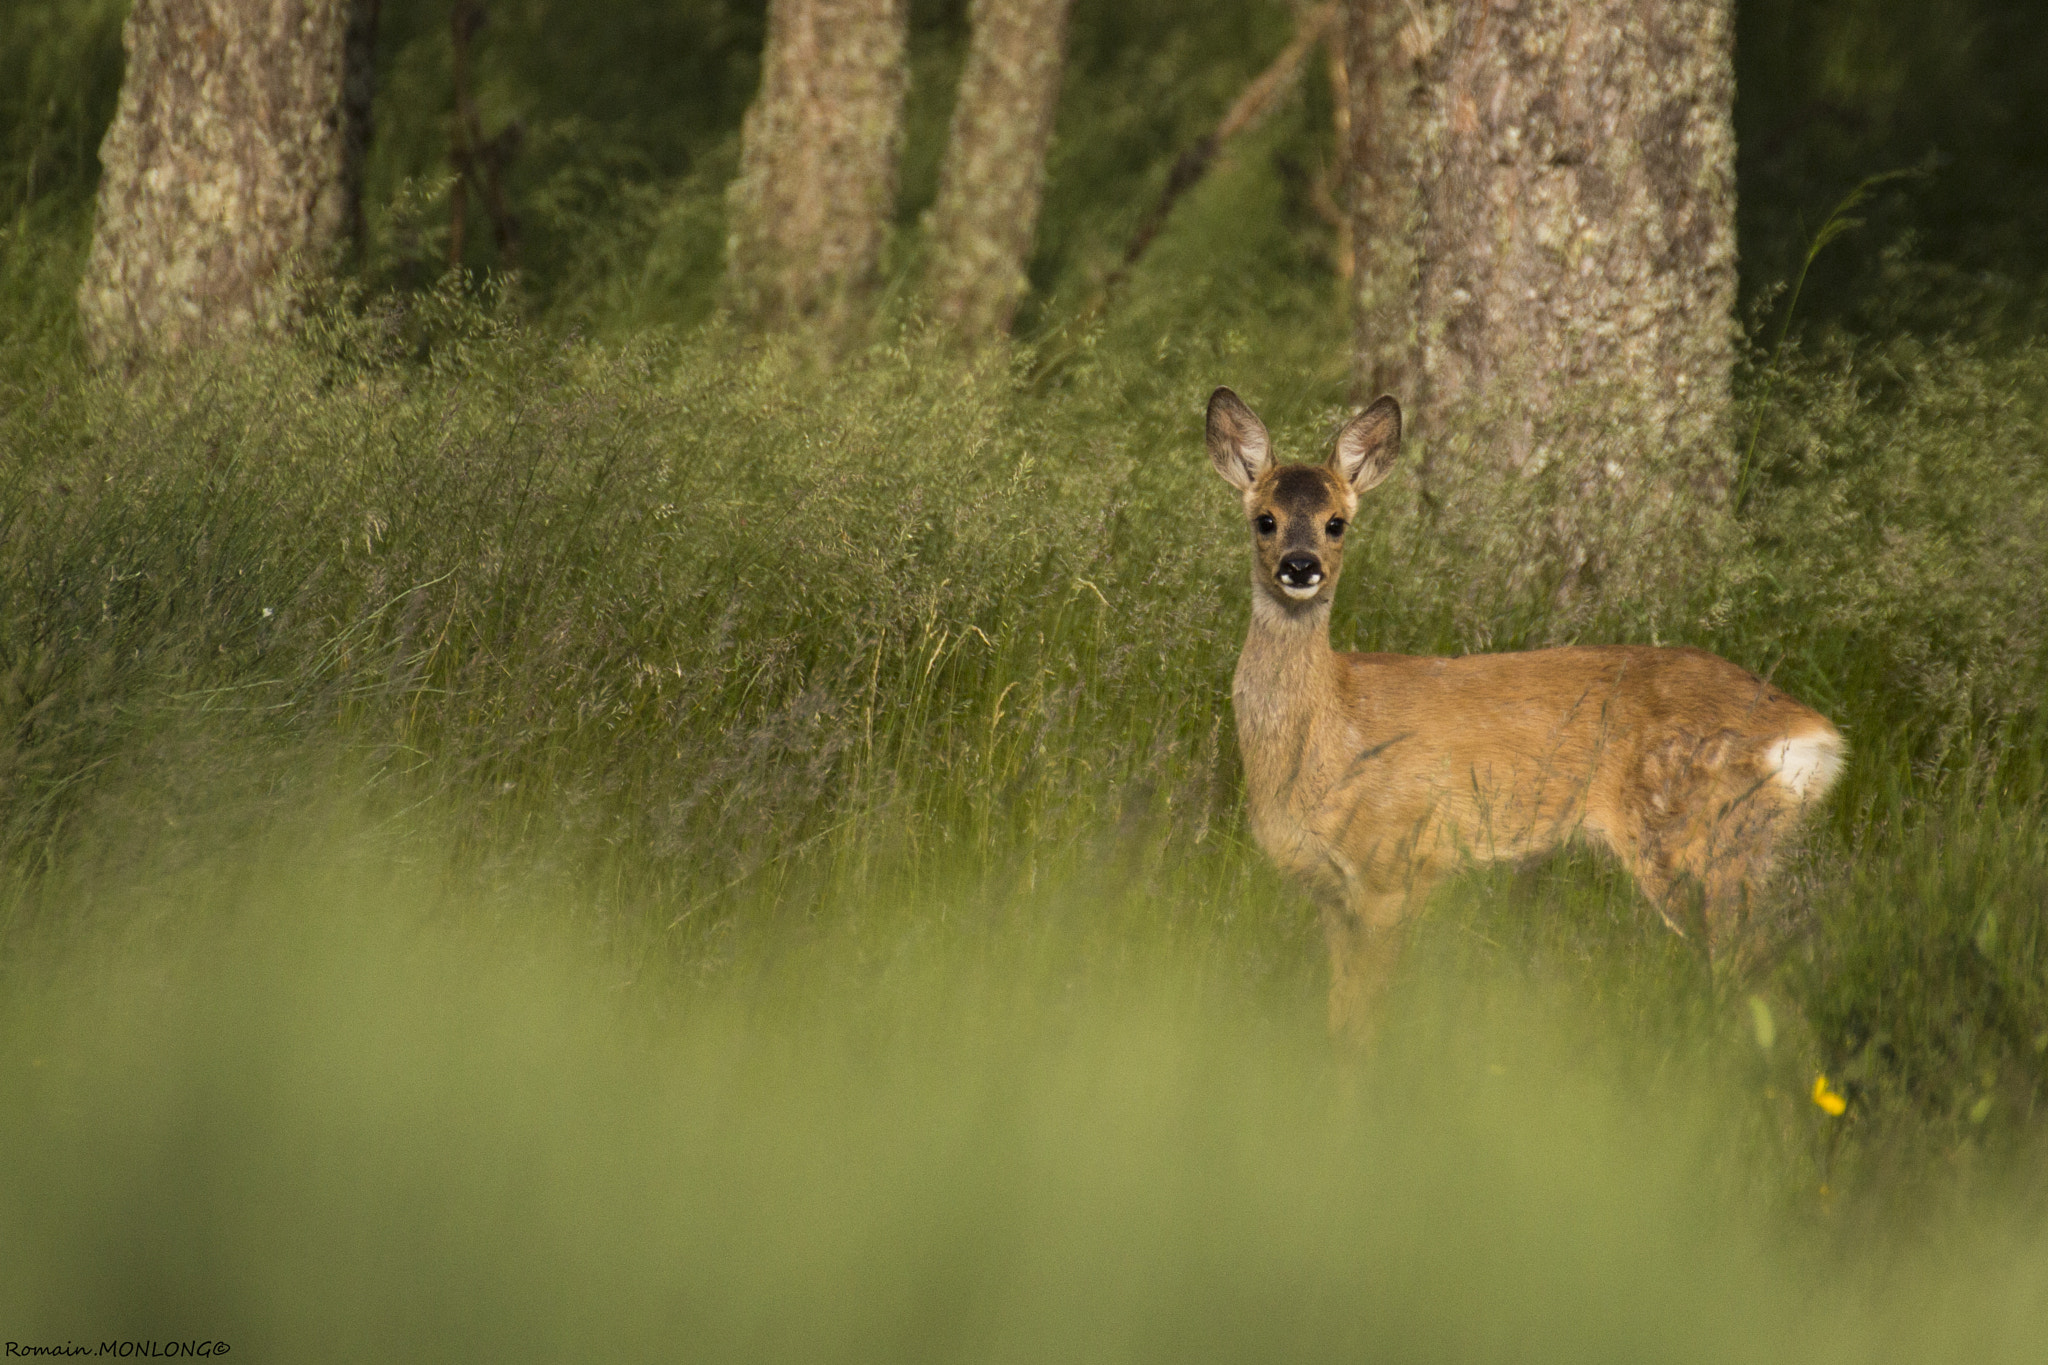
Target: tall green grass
[[790, 896], [717, 629]]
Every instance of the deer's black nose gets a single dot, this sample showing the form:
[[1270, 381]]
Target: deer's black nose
[[1300, 571]]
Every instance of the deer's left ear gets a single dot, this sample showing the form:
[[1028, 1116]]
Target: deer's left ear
[[1369, 445]]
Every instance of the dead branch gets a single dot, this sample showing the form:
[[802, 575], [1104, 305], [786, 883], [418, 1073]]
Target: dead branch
[[1251, 105]]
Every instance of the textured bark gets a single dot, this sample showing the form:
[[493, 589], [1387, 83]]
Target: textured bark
[[235, 157], [1581, 212], [994, 174], [1573, 246], [819, 153]]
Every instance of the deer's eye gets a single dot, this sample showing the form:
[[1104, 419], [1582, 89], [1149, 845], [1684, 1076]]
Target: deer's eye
[[1264, 521], [1335, 530]]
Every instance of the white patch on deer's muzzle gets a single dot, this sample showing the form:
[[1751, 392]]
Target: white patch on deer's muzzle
[[1301, 592]]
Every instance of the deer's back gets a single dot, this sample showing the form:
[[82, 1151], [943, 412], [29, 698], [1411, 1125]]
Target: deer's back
[[1578, 694], [1428, 760]]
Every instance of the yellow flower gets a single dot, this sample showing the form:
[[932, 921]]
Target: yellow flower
[[1828, 1099]]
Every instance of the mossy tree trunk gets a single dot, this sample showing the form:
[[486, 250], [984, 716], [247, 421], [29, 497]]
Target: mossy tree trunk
[[993, 178], [234, 159], [1568, 251], [819, 153]]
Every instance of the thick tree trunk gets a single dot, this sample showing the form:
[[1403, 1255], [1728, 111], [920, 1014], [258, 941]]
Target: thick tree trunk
[[234, 158], [819, 152], [1573, 262], [994, 173]]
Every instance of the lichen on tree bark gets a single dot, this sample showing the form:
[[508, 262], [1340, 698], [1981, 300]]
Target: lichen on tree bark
[[233, 160], [1573, 263], [993, 179], [820, 147]]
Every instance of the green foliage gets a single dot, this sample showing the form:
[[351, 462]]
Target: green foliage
[[863, 735], [357, 1113], [1929, 975], [631, 115], [621, 108], [60, 73], [1841, 221], [825, 590], [1902, 504], [720, 622], [1829, 91]]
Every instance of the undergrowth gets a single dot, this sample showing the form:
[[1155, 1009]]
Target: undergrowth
[[712, 625], [815, 714]]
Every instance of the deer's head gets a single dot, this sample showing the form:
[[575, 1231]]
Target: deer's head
[[1299, 512]]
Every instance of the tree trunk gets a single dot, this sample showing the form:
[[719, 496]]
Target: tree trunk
[[234, 159], [1573, 263], [819, 151], [994, 173]]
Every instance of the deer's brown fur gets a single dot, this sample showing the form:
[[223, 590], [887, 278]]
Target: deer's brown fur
[[1372, 776]]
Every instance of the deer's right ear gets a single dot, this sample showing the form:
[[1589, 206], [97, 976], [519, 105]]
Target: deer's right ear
[[1237, 440]]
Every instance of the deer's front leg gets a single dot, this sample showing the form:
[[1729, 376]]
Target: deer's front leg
[[1363, 931]]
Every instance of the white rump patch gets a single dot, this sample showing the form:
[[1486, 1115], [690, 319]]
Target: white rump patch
[[1806, 765]]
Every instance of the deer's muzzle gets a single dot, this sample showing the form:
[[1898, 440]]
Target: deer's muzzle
[[1300, 575]]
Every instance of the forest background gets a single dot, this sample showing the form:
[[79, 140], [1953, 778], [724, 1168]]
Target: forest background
[[534, 813]]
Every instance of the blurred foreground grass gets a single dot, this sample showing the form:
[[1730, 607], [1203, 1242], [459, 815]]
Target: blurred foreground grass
[[325, 1110]]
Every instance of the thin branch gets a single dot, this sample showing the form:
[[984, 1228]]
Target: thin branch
[[1251, 105]]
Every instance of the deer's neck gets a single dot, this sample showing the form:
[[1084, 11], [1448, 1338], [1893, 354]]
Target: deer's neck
[[1284, 673]]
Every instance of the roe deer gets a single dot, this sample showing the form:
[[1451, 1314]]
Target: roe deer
[[1371, 776]]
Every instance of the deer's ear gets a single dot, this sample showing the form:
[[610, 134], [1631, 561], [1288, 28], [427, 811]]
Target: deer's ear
[[1369, 445], [1237, 440]]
